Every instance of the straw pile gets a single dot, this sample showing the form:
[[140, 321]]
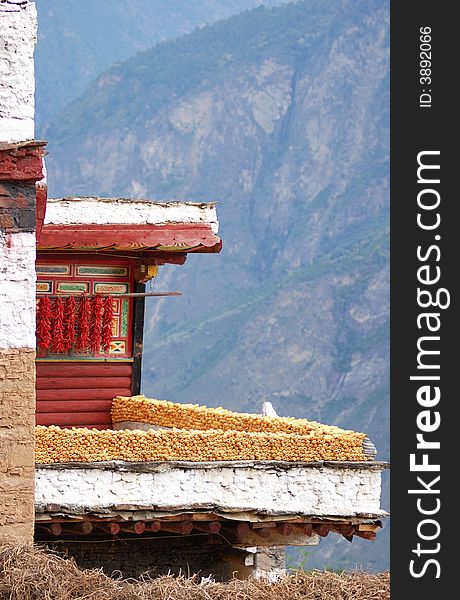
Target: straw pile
[[32, 574]]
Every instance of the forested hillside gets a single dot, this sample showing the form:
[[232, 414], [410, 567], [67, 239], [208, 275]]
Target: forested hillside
[[78, 39]]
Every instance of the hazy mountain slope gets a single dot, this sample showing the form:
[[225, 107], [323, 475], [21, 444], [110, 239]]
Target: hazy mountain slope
[[78, 39], [282, 116]]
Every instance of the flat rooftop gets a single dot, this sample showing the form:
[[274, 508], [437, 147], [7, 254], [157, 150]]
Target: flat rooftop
[[91, 223]]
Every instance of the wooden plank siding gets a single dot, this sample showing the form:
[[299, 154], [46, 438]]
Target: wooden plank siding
[[79, 394]]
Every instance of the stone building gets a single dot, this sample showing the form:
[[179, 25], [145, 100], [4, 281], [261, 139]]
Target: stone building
[[20, 169], [216, 517]]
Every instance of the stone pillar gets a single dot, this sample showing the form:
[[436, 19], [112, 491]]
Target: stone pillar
[[20, 168], [260, 562]]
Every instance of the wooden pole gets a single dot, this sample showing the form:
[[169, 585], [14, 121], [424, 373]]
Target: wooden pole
[[138, 527], [127, 295], [154, 526], [209, 527], [367, 535], [86, 527], [242, 530], [56, 529], [321, 530], [286, 529], [184, 528], [114, 528]]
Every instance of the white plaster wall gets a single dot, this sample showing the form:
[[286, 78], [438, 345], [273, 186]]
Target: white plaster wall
[[17, 290], [18, 29], [118, 210], [323, 491]]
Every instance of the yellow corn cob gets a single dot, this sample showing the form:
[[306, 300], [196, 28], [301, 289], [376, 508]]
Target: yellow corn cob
[[193, 416], [54, 444]]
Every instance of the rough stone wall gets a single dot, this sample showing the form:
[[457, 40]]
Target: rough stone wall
[[270, 562], [18, 30], [20, 168], [207, 556], [304, 490], [17, 409], [134, 557]]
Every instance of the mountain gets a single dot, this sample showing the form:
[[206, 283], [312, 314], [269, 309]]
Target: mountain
[[78, 39], [282, 116]]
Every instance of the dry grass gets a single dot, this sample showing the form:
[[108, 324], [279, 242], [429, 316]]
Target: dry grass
[[32, 574]]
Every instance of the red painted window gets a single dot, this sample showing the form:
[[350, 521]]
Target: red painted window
[[79, 275]]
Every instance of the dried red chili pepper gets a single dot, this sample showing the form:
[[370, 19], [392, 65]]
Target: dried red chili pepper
[[96, 324], [58, 344], [70, 319], [107, 319], [44, 315]]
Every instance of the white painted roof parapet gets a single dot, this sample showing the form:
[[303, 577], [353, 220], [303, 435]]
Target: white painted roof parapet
[[87, 210], [339, 490]]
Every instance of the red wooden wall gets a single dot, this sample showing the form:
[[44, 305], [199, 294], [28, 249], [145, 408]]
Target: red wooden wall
[[80, 394]]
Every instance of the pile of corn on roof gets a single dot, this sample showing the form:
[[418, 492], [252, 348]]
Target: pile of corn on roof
[[189, 432]]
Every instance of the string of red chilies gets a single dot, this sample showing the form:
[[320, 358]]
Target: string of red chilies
[[58, 343], [86, 325], [44, 318], [107, 318], [70, 320], [96, 324]]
